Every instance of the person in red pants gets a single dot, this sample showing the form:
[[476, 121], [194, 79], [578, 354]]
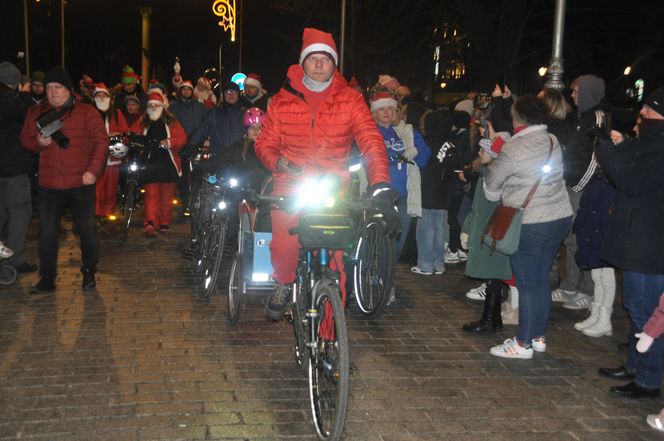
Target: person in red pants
[[308, 130], [165, 137], [115, 123]]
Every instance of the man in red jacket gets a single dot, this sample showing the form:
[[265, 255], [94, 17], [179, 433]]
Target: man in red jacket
[[70, 162], [308, 130]]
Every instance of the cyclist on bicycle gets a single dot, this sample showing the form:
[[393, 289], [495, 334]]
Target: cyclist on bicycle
[[308, 130]]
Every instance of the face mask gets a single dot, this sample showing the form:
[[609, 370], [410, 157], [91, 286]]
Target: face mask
[[155, 114], [102, 103]]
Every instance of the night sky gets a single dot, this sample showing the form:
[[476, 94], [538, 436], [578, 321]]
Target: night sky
[[602, 37]]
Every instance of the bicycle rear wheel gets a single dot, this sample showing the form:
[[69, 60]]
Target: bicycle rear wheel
[[328, 365], [235, 290], [374, 270]]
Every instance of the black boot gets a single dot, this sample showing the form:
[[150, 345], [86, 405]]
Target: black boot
[[491, 320], [89, 281]]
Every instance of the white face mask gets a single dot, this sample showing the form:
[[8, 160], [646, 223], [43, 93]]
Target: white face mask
[[155, 114], [102, 103]]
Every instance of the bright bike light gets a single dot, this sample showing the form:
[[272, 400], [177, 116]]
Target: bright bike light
[[260, 277], [232, 182], [222, 205], [133, 167], [315, 192], [330, 201], [546, 168]]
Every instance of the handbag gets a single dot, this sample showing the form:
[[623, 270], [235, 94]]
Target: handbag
[[503, 231]]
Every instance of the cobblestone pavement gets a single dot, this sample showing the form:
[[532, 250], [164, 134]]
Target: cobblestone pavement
[[143, 357]]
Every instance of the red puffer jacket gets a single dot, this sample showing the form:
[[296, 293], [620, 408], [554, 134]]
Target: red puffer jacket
[[319, 139], [61, 169]]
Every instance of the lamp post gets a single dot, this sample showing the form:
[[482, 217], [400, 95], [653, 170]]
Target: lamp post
[[225, 10], [62, 32], [342, 37], [145, 45], [556, 69], [27, 38]]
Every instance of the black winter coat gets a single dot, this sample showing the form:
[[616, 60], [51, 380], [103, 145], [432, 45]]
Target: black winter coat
[[634, 239], [222, 124], [439, 181], [591, 221], [578, 150], [15, 160]]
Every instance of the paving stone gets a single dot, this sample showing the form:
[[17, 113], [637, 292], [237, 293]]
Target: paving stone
[[145, 357]]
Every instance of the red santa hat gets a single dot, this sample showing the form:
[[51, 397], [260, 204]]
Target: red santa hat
[[101, 88], [314, 40], [253, 80], [156, 97], [186, 83], [382, 99]]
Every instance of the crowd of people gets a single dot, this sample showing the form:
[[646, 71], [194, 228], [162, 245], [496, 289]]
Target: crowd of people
[[585, 191]]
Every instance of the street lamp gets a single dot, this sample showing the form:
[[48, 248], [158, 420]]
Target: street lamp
[[542, 71], [627, 70]]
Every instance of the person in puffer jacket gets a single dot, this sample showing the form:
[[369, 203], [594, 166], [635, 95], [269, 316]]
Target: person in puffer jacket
[[71, 160], [308, 131]]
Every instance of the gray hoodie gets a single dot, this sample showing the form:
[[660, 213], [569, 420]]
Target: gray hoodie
[[591, 92]]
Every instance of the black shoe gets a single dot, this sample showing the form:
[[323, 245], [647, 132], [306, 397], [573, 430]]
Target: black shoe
[[89, 281], [619, 373], [278, 302], [26, 267], [633, 390], [43, 287]]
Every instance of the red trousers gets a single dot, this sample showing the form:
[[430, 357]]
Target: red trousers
[[159, 203], [107, 189]]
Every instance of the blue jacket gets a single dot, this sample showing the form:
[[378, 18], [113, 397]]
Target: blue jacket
[[395, 146], [222, 124], [189, 113]]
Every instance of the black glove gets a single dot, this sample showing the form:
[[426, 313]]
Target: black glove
[[385, 199]]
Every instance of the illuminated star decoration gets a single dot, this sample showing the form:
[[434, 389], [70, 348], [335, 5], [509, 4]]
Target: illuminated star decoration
[[226, 11]]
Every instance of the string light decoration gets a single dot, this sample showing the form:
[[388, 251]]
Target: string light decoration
[[225, 10]]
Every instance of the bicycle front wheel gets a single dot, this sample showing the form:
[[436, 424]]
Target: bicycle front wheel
[[235, 290], [373, 274], [328, 365], [128, 209], [215, 256]]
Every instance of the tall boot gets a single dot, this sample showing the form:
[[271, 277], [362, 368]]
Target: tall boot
[[491, 319], [603, 324], [598, 296]]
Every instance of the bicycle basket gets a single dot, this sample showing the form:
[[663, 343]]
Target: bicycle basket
[[325, 230]]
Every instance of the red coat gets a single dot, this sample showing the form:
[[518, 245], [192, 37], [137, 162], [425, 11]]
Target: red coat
[[319, 138], [61, 169], [177, 138]]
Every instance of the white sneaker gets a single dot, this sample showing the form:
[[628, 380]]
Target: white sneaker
[[478, 293], [451, 257], [5, 253], [463, 256], [539, 344], [511, 349], [579, 301], [417, 270], [438, 272], [655, 421], [561, 295]]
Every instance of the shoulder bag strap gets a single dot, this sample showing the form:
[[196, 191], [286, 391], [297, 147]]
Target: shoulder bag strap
[[539, 178]]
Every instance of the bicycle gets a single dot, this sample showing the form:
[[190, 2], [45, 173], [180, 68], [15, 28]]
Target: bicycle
[[131, 186], [217, 194], [316, 312]]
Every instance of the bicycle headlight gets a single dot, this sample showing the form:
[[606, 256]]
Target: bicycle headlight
[[233, 182], [133, 167], [355, 167], [222, 205], [316, 193]]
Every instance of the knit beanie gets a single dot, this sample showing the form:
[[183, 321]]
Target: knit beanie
[[460, 119], [9, 74], [128, 75], [656, 100], [58, 75], [37, 76]]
